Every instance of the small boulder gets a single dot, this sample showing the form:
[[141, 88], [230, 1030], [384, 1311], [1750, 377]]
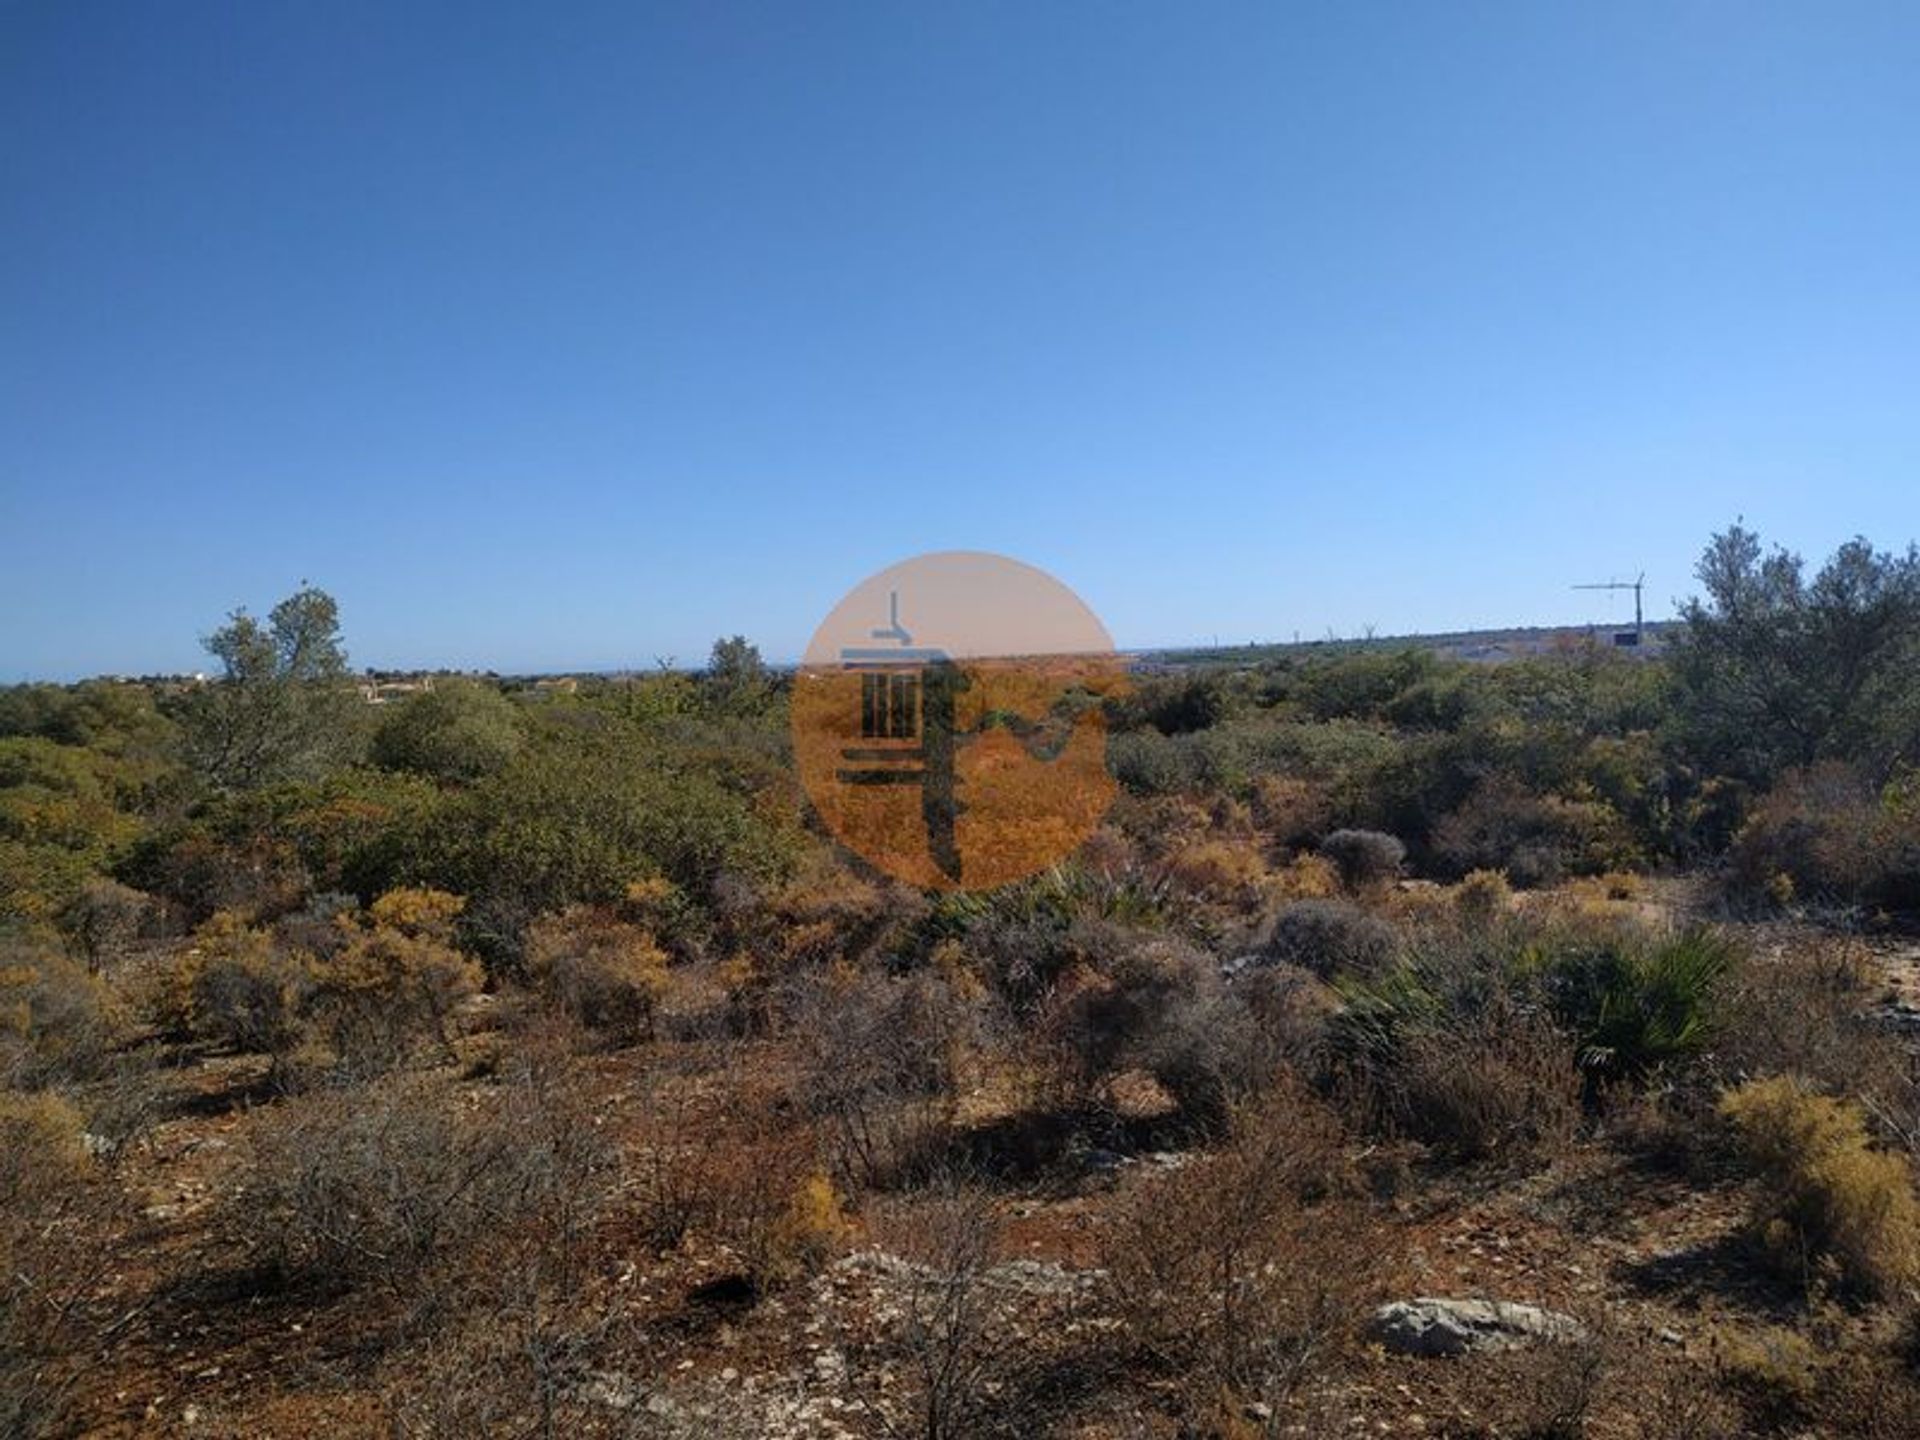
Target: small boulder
[[1430, 1326]]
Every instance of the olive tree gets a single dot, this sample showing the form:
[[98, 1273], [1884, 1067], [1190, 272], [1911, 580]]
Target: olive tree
[[283, 706], [1778, 670]]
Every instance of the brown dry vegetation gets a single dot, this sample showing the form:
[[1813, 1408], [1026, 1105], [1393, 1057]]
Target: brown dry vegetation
[[554, 1077]]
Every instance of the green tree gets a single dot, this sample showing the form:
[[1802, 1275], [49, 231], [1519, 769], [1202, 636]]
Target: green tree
[[1775, 670], [459, 730], [737, 678], [283, 707]]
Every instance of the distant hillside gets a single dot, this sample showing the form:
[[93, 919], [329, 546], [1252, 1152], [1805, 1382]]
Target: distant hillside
[[1485, 646]]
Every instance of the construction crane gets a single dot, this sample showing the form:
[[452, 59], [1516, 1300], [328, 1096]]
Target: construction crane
[[1625, 638]]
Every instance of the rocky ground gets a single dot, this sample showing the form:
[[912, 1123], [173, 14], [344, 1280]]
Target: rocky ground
[[1636, 1274]]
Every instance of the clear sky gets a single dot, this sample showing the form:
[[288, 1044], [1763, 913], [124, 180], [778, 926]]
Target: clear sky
[[557, 336]]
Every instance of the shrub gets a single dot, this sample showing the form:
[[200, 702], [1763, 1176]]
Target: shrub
[[879, 1069], [395, 981], [380, 1185], [236, 987], [1238, 1272], [54, 1250], [255, 876], [574, 821], [1332, 937], [1806, 1011], [1636, 1002], [458, 731], [1825, 834], [961, 1349], [806, 1232], [103, 920], [1217, 869], [1290, 809], [1825, 1190], [1501, 1083], [1536, 839], [418, 912], [605, 973], [1483, 895], [1306, 877], [755, 1178], [1100, 1023], [1149, 763], [41, 1154], [1775, 1369], [57, 1021], [1364, 857]]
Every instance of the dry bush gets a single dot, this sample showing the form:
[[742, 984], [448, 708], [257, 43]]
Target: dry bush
[[1305, 877], [1332, 937], [418, 911], [385, 1184], [880, 1066], [41, 1153], [825, 917], [952, 1331], [1290, 809], [1805, 1011], [1830, 836], [56, 1227], [1290, 1007], [1218, 868], [384, 996], [1483, 896], [1825, 1192], [1162, 825], [1869, 1397], [1216, 1048], [512, 1363], [521, 1321], [1774, 1371], [257, 878], [1615, 887], [1097, 1025], [603, 971], [382, 983], [237, 987], [370, 1186], [1243, 1269], [57, 1021], [1606, 1384], [1365, 858], [761, 1190], [395, 981], [668, 1181], [1501, 1083], [804, 1235], [1159, 1006], [1535, 839], [104, 920], [1670, 1128]]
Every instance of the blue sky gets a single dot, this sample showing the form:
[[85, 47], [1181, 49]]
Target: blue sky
[[572, 336]]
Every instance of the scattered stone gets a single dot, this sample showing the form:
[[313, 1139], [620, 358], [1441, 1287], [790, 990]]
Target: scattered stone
[[1431, 1326], [610, 1388]]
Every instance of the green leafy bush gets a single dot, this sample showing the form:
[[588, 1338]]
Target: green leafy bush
[[1635, 1002]]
